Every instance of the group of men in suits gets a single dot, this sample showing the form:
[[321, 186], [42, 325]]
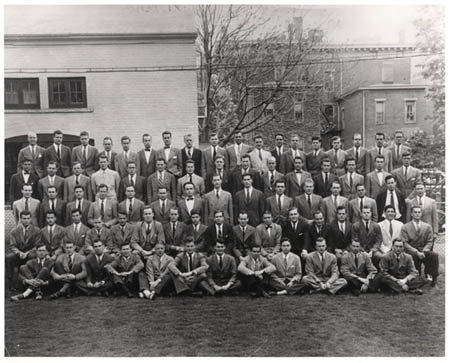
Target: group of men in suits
[[245, 201]]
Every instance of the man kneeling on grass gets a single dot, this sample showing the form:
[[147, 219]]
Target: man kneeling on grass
[[398, 271], [35, 274], [322, 273]]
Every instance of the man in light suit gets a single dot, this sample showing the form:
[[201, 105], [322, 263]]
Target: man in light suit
[[308, 203], [147, 234], [418, 238], [139, 183], [50, 179], [288, 157], [288, 275], [269, 178], [407, 176], [59, 153], [296, 230], [428, 205], [27, 203], [323, 180], [279, 149], [350, 179], [218, 199], [398, 271], [360, 154], [279, 204], [209, 155], [224, 174], [77, 179], [121, 233], [23, 176], [32, 152], [131, 206], [103, 208], [237, 173], [315, 157], [259, 156], [356, 205], [329, 204], [79, 203], [108, 177], [191, 153], [52, 235], [337, 156], [174, 233], [161, 206], [379, 149], [85, 154], [391, 196], [171, 155], [147, 157], [359, 272], [236, 151], [52, 203], [108, 152], [390, 229], [341, 233], [268, 236], [189, 177], [122, 159], [222, 271], [161, 178], [243, 237], [77, 231], [250, 200], [189, 203], [296, 178], [397, 149], [322, 272], [375, 180]]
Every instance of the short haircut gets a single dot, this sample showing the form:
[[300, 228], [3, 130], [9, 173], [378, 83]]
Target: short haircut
[[57, 132], [103, 157], [280, 181], [78, 187], [131, 162], [51, 187], [247, 174], [188, 183], [174, 209], [320, 239], [316, 138], [195, 212], [25, 213], [335, 182], [379, 157], [257, 137], [380, 134], [291, 209], [102, 186], [161, 159], [40, 245], [147, 207], [349, 159], [190, 161], [26, 160], [107, 138], [189, 239], [242, 213], [214, 175], [398, 239], [123, 138], [49, 212], [130, 186], [406, 153], [298, 158], [285, 239], [279, 134], [341, 207], [246, 156], [52, 162], [161, 187], [145, 135], [335, 138], [388, 177], [389, 206], [398, 132], [317, 212], [166, 133], [27, 185], [220, 157], [359, 185], [416, 207], [76, 210], [69, 241], [84, 133], [326, 160], [213, 134], [76, 163], [218, 211]]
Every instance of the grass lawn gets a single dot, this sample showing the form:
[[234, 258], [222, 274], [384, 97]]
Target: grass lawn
[[312, 325]]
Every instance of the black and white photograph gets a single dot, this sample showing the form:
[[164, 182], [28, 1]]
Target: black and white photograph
[[224, 180]]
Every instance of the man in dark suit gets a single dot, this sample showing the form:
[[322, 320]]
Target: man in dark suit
[[23, 176], [341, 233], [32, 152], [210, 154], [250, 200], [132, 206], [54, 204], [369, 234], [317, 229], [350, 179], [79, 203], [314, 158], [132, 179], [161, 206], [407, 176], [191, 178], [279, 204], [380, 149], [108, 152], [308, 203], [121, 233], [236, 151], [240, 171], [324, 180], [50, 179], [337, 156], [196, 230], [356, 205], [52, 235], [60, 154], [288, 157], [218, 229], [189, 203], [360, 154], [397, 149], [98, 232], [279, 149], [222, 271], [375, 180], [171, 155], [85, 154], [189, 152], [77, 231], [122, 159], [77, 179], [391, 196], [296, 178], [161, 178], [147, 157], [174, 232], [269, 178], [243, 236], [296, 229], [224, 174], [147, 234]]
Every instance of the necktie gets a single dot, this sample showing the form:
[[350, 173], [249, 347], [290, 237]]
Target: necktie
[[326, 179], [190, 178], [319, 231], [406, 173], [243, 234], [217, 194], [272, 179], [335, 157], [189, 198], [163, 207], [50, 234], [59, 153], [398, 151], [379, 151], [108, 156], [356, 154], [51, 179], [52, 203], [269, 229], [190, 262], [32, 152], [239, 154], [392, 202], [418, 228], [309, 201], [195, 232], [356, 261], [102, 209], [98, 233], [285, 262], [214, 153], [131, 181], [260, 155], [126, 155], [294, 226], [220, 262], [296, 152], [174, 227], [78, 205], [341, 228], [123, 231], [85, 153], [361, 204], [391, 230], [147, 231], [130, 208], [160, 180], [69, 263], [220, 231], [420, 201], [335, 201], [315, 154], [279, 204], [26, 204], [247, 192], [351, 181], [25, 235], [77, 182], [189, 153], [367, 227]]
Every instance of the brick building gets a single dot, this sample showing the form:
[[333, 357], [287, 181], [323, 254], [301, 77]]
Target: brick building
[[109, 70]]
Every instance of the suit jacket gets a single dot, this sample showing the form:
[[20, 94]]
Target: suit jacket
[[147, 168], [140, 187], [337, 168], [301, 202], [293, 188], [121, 163], [156, 267], [369, 240], [325, 271], [354, 210], [272, 206], [381, 203], [174, 163], [111, 160], [159, 215], [338, 239], [96, 271], [387, 158], [373, 186], [313, 164], [222, 275], [37, 162], [249, 265], [87, 165], [208, 166], [291, 271], [122, 264], [119, 238], [277, 156], [185, 215], [45, 182], [313, 234], [78, 266], [365, 268], [397, 160], [60, 212], [110, 212], [350, 191], [268, 188], [181, 263], [235, 179], [196, 156], [421, 241], [364, 161], [199, 185], [33, 268], [254, 207], [328, 208], [385, 232], [392, 268], [407, 185], [140, 240], [210, 237], [169, 182], [322, 189], [232, 158], [298, 236], [77, 238], [243, 241], [227, 181], [16, 183], [137, 210], [64, 165], [224, 203], [85, 205], [174, 240], [105, 236], [287, 161], [260, 165], [18, 242], [70, 183], [269, 243], [429, 211], [19, 205], [56, 243], [198, 236]]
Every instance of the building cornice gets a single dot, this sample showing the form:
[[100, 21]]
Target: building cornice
[[383, 87]]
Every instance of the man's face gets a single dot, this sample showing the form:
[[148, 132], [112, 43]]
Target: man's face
[[220, 248], [280, 188], [326, 166], [79, 193], [190, 168], [417, 213], [98, 223], [279, 141], [361, 191], [319, 219], [336, 144], [126, 144], [122, 219], [379, 163], [103, 163], [379, 140], [238, 138], [406, 160], [218, 218], [107, 144], [390, 214], [131, 169], [243, 219], [51, 169], [293, 215], [26, 220], [189, 190], [84, 140], [174, 215], [308, 187], [217, 182], [271, 164], [335, 189], [316, 144], [245, 163], [69, 248], [77, 169], [256, 251], [219, 164], [420, 190], [247, 181], [160, 165], [295, 142], [214, 140], [267, 219], [162, 193], [366, 214], [190, 247], [398, 247], [259, 143], [398, 138], [42, 252], [355, 247], [148, 215], [357, 139], [159, 250], [51, 219], [102, 193], [57, 139], [167, 139], [27, 190], [76, 217], [391, 184], [195, 218], [26, 166], [298, 164], [321, 246], [286, 247], [99, 248], [341, 215], [130, 193], [147, 140], [126, 250], [188, 141], [51, 193], [351, 165], [32, 139]]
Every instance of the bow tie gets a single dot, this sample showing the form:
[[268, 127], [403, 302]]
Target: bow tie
[[25, 173], [166, 147], [147, 149], [267, 227], [190, 198]]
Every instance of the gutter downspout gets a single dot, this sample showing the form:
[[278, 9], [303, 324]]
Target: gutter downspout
[[364, 117]]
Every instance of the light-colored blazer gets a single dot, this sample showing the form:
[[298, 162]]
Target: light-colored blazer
[[373, 186], [174, 164], [272, 206], [429, 211], [257, 163], [325, 271], [365, 269], [156, 267], [397, 158], [249, 265], [337, 168], [208, 166], [387, 158], [33, 206], [347, 191], [37, 161], [292, 271], [269, 244], [354, 209], [110, 212], [386, 245], [224, 203], [199, 185], [422, 241], [364, 159], [232, 157], [329, 210], [301, 202], [120, 163], [407, 185]]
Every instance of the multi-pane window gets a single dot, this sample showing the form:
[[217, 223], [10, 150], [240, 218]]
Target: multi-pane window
[[21, 93], [67, 92], [380, 112], [329, 112], [410, 112]]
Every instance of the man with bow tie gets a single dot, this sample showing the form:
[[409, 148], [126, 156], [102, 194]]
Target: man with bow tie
[[147, 157], [189, 203]]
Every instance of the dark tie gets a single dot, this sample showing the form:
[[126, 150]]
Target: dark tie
[[25, 235], [85, 153], [326, 179], [356, 154], [309, 201], [50, 235], [220, 262], [59, 153], [32, 152], [351, 181], [195, 232], [131, 181], [69, 263], [341, 228], [130, 209], [123, 231], [163, 208], [76, 180], [259, 154], [26, 204], [247, 196], [392, 199], [160, 180], [190, 262], [147, 231], [190, 178], [420, 201], [52, 203], [361, 205], [220, 231], [189, 153], [285, 262], [174, 227], [335, 157], [356, 261], [279, 204], [214, 153], [294, 226], [367, 227], [406, 173], [272, 179], [398, 151], [319, 231], [189, 198], [217, 194], [379, 151], [243, 234], [391, 230], [78, 205], [102, 209]]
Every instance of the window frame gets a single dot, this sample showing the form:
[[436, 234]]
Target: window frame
[[271, 107], [301, 102], [414, 101], [68, 103], [383, 102], [20, 88]]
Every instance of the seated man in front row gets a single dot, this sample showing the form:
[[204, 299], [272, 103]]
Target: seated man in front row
[[322, 272], [35, 274]]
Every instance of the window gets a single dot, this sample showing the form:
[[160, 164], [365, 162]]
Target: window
[[380, 112], [21, 93], [328, 81], [299, 112], [268, 112], [410, 111], [67, 92], [387, 72], [329, 112]]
